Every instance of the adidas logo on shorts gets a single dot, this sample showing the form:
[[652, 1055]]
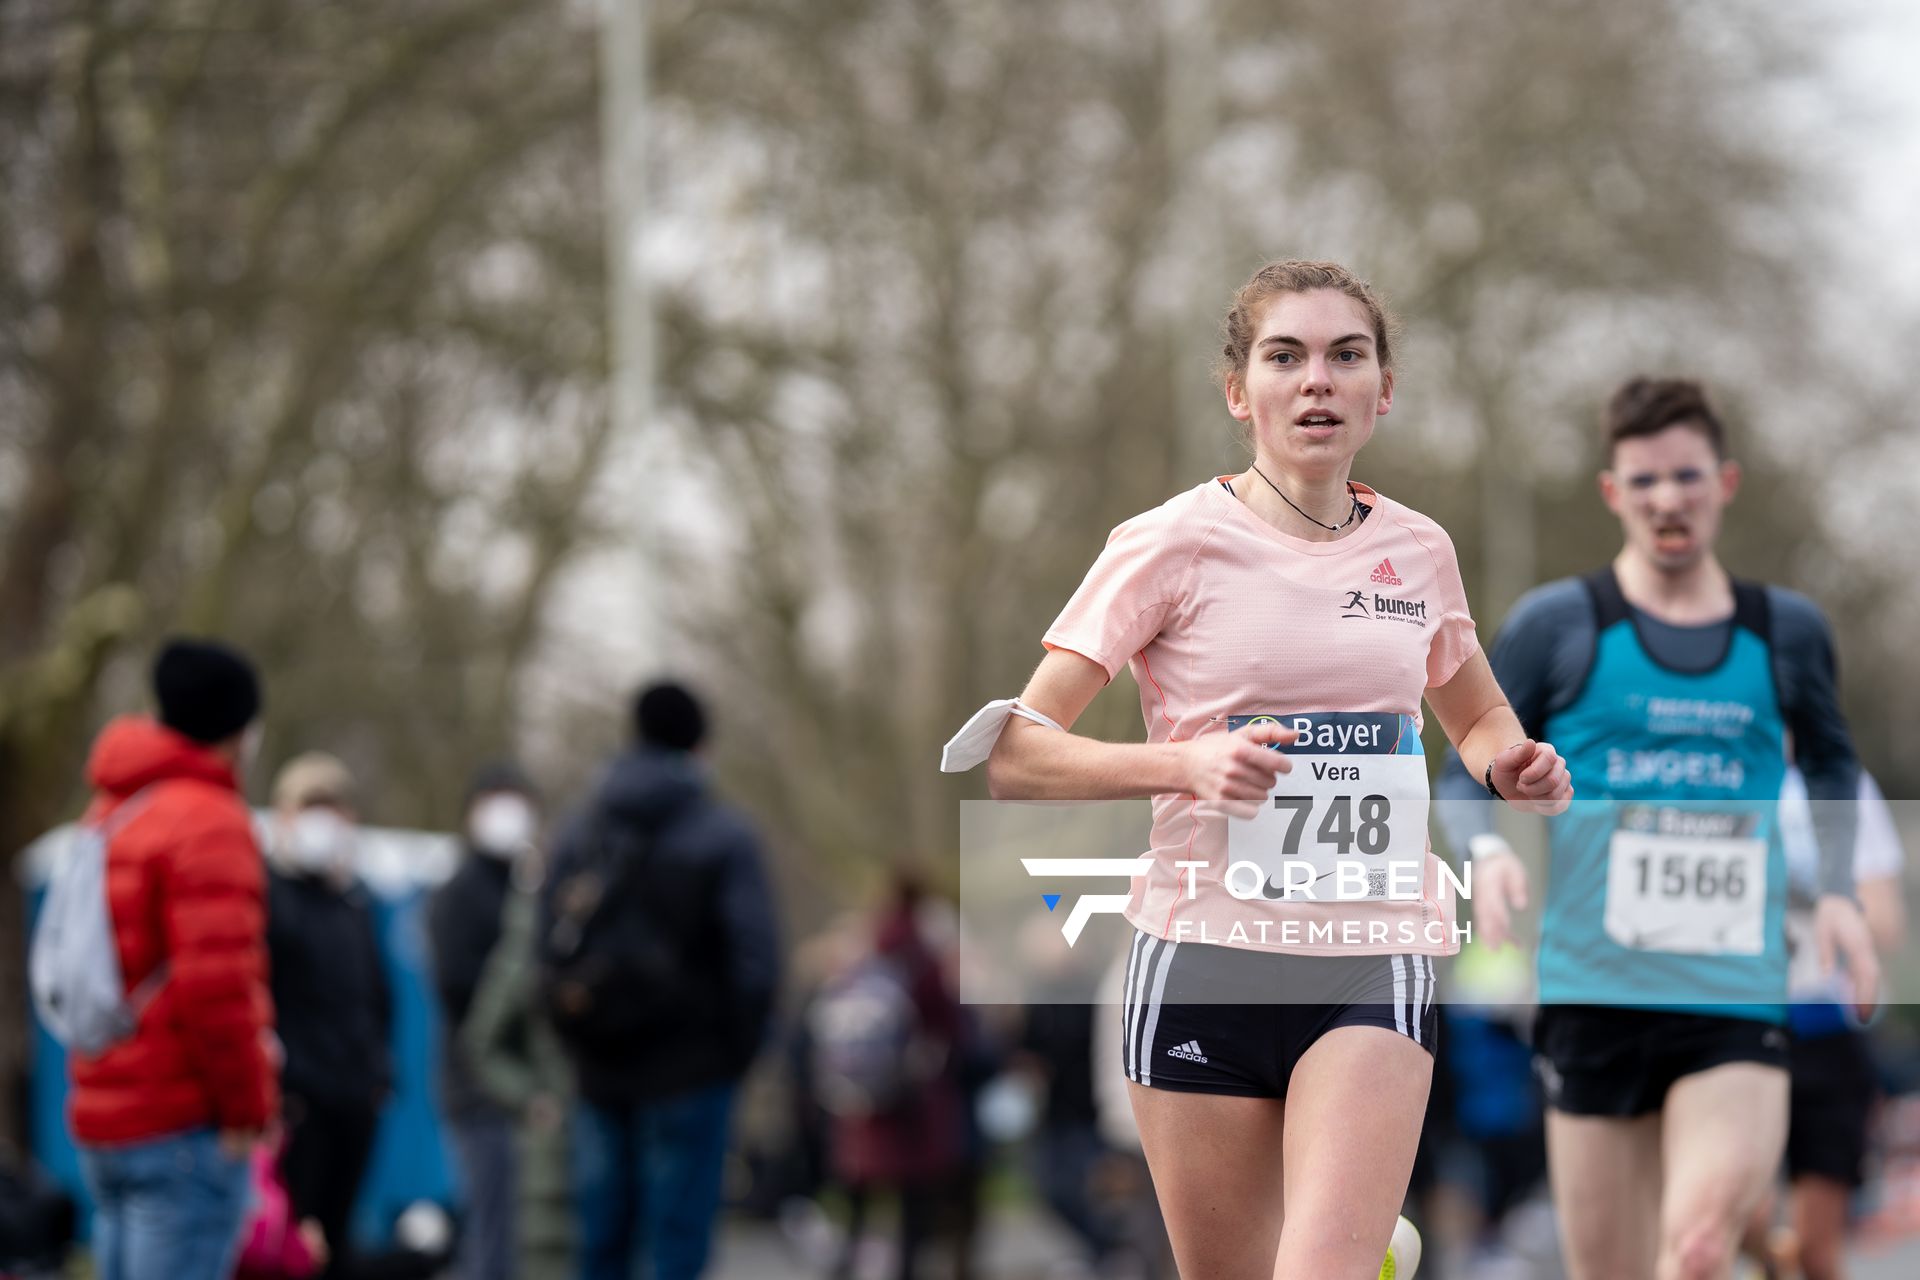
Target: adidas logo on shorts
[[1190, 1051]]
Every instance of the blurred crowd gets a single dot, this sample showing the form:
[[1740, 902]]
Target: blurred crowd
[[606, 979]]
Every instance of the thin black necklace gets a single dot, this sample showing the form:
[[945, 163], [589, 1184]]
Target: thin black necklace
[[1330, 528]]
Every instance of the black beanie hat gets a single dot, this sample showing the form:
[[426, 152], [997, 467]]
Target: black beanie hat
[[206, 690], [667, 715], [500, 775]]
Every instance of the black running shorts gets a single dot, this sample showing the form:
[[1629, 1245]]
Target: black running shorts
[[1599, 1061], [1202, 1018], [1833, 1094]]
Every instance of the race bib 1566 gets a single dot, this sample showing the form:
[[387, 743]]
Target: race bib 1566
[[1350, 820], [1687, 880]]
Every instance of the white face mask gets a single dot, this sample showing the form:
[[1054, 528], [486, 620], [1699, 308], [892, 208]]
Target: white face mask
[[502, 825], [319, 839]]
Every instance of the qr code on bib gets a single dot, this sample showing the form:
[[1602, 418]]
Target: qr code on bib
[[1376, 884]]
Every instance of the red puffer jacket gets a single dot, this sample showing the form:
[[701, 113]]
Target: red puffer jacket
[[187, 891]]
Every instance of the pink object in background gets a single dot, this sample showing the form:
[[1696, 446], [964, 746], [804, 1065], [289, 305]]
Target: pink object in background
[[274, 1249]]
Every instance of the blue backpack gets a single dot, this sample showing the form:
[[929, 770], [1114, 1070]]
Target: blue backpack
[[74, 963]]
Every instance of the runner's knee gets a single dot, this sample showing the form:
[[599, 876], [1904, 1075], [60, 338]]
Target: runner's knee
[[1700, 1251]]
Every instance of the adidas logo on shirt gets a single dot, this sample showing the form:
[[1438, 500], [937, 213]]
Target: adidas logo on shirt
[[1190, 1051], [1383, 573]]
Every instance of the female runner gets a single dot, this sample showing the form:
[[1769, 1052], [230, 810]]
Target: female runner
[[1283, 625]]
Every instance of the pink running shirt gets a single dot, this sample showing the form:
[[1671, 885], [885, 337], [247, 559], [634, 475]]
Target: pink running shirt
[[1220, 615]]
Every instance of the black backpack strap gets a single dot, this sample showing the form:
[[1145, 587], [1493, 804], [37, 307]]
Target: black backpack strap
[[1752, 609], [623, 853], [601, 855], [1609, 604]]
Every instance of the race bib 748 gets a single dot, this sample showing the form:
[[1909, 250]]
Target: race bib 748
[[1350, 820]]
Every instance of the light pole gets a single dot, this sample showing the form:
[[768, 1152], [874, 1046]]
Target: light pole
[[630, 337]]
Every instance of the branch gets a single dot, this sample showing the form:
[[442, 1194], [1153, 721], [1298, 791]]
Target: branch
[[401, 66], [338, 311]]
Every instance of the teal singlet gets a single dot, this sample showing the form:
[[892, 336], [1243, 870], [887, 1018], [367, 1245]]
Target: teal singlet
[[1667, 885]]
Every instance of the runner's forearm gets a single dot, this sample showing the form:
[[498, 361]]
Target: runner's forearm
[[1032, 762]]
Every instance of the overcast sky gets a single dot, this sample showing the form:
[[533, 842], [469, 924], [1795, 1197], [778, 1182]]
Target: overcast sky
[[1875, 140]]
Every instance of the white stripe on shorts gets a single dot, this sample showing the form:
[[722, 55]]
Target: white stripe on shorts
[[1127, 1005], [1144, 944], [1399, 993], [1153, 1011], [1422, 986]]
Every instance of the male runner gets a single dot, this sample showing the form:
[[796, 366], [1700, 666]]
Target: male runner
[[1668, 686]]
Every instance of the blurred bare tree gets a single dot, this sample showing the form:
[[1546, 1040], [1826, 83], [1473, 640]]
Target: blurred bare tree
[[303, 341], [945, 332], [301, 344], [942, 383]]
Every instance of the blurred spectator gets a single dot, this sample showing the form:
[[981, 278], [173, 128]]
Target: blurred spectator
[[330, 990], [1497, 1109], [1067, 1148], [888, 1053], [37, 1218], [980, 1053], [166, 1119], [1070, 1158], [659, 965], [790, 1171], [1834, 1086], [463, 926], [519, 1064], [1125, 1179]]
